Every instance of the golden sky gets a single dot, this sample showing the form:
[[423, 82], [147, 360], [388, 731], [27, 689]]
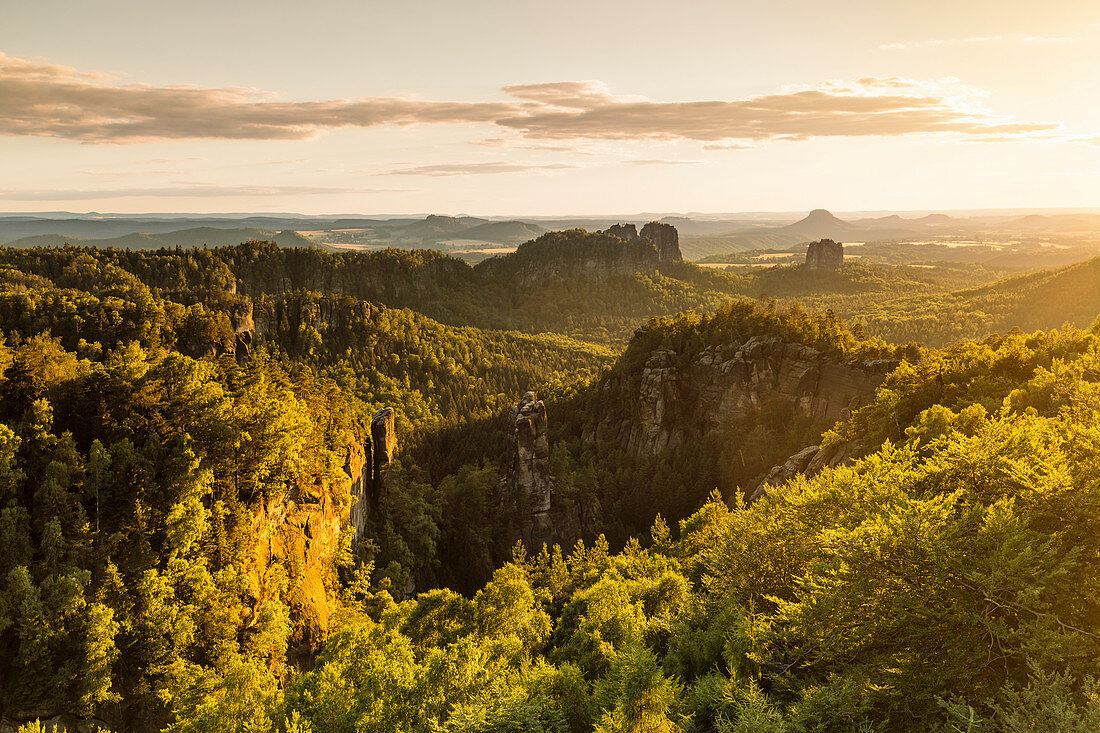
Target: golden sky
[[515, 107]]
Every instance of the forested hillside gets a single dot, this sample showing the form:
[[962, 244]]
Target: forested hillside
[[581, 487]]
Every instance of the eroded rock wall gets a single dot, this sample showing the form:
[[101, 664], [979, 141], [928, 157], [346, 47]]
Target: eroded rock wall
[[677, 401], [824, 255], [531, 452]]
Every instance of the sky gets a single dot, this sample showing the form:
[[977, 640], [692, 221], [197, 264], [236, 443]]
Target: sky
[[516, 107]]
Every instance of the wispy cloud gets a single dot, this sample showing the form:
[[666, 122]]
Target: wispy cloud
[[870, 106], [478, 168], [1003, 38], [179, 191], [43, 99], [662, 161]]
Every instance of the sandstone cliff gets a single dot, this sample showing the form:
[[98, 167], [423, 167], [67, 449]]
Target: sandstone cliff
[[545, 515], [675, 400], [530, 470], [808, 462], [383, 435], [301, 528], [824, 255], [620, 250]]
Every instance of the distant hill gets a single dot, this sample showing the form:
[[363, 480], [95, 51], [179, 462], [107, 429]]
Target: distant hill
[[820, 223], [505, 232], [434, 227], [185, 238], [1041, 300]]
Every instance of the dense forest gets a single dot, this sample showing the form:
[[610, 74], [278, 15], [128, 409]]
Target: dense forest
[[205, 525]]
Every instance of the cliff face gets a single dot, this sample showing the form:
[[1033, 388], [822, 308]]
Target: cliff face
[[620, 250], [301, 529], [675, 401], [665, 238], [383, 435], [269, 316], [824, 255], [547, 516], [531, 455]]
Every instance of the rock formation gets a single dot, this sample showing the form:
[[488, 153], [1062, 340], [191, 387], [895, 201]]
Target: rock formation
[[824, 255], [360, 470], [675, 402], [288, 313], [623, 231], [383, 442], [572, 254], [665, 238], [300, 529], [531, 453], [243, 329], [809, 462]]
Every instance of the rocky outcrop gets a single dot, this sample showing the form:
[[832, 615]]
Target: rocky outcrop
[[623, 231], [300, 531], [288, 314], [824, 255], [215, 340], [359, 467], [674, 401], [808, 462], [665, 238], [530, 470], [383, 433], [574, 254], [544, 517]]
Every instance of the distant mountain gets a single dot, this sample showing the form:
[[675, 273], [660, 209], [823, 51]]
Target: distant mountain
[[820, 224]]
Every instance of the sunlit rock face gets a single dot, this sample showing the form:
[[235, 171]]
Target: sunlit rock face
[[824, 255], [300, 530], [531, 452], [383, 433], [675, 402], [808, 462], [360, 470]]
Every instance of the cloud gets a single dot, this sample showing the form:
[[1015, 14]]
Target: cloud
[[871, 106], [662, 161], [1004, 38], [481, 168], [180, 191], [49, 100]]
